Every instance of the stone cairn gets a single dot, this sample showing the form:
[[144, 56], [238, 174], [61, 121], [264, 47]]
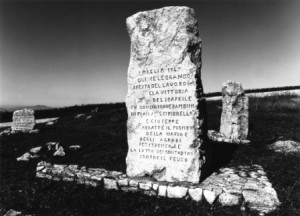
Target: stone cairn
[[234, 118]]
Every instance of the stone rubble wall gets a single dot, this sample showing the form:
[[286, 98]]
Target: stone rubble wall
[[247, 186]]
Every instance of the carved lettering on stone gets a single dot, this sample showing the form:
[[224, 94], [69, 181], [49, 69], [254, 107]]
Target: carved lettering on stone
[[23, 120], [165, 118]]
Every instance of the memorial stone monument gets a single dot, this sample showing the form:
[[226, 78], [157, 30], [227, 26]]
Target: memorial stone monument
[[234, 118], [23, 120], [166, 118]]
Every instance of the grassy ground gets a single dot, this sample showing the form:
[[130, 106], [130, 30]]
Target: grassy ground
[[104, 144]]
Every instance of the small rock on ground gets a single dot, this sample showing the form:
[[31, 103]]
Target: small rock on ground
[[60, 152], [24, 157], [34, 131], [78, 116], [12, 212], [52, 145], [286, 146], [74, 147], [36, 150], [49, 123]]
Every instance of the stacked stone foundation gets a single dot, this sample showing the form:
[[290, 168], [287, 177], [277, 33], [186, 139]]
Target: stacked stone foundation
[[228, 186]]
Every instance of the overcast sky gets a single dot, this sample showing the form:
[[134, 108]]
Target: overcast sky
[[66, 53]]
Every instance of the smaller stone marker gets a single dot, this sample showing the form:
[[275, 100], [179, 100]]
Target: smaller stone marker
[[23, 120], [234, 119]]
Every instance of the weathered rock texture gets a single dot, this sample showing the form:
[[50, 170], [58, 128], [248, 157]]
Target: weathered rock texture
[[165, 118], [221, 138], [23, 120], [247, 186], [234, 119], [288, 147]]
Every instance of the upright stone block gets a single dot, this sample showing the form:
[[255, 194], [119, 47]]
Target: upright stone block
[[234, 119], [23, 120], [164, 101]]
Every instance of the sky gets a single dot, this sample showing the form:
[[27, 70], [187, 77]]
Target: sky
[[62, 53]]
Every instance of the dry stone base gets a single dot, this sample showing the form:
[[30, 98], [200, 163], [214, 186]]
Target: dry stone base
[[244, 185], [218, 137]]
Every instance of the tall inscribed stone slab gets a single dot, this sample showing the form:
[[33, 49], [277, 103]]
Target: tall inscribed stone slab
[[165, 116], [23, 120], [234, 118]]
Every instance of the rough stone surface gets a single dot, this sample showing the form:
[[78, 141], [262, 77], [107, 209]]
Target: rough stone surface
[[165, 116], [264, 200], [227, 199], [25, 157], [234, 118], [134, 183], [162, 190], [110, 184], [23, 120], [155, 187], [176, 192], [12, 212], [196, 194], [35, 150], [218, 137], [286, 147], [129, 189], [59, 152], [209, 196], [123, 182], [146, 185]]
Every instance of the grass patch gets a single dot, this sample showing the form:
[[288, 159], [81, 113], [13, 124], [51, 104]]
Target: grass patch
[[103, 139]]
